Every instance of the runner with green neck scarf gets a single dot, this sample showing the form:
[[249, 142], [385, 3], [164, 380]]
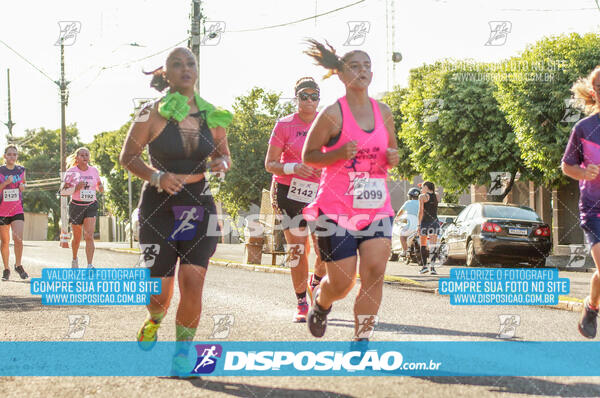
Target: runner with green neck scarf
[[182, 131]]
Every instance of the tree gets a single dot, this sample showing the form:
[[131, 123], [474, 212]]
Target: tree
[[105, 150], [39, 152], [255, 115], [405, 169], [532, 95], [454, 130]]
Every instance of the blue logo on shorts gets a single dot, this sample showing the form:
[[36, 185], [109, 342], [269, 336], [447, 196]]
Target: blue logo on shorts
[[207, 358], [187, 219]]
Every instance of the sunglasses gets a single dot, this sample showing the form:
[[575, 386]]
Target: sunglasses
[[303, 97]]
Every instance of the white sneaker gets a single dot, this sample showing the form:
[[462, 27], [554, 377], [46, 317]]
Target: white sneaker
[[90, 266], [75, 263]]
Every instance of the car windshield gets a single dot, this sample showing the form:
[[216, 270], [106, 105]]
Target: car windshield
[[519, 213], [449, 210]]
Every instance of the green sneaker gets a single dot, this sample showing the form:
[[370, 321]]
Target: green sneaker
[[146, 336], [182, 368]]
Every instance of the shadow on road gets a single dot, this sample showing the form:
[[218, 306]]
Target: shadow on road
[[418, 330], [12, 303], [523, 385], [249, 390]]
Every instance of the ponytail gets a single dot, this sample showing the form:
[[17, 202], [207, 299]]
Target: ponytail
[[158, 81], [581, 90], [327, 58]]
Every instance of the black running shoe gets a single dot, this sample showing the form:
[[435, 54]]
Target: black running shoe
[[588, 323], [317, 317], [5, 274], [433, 271], [21, 272], [424, 270]]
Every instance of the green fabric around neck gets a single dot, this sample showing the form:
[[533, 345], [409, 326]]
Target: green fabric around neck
[[175, 106]]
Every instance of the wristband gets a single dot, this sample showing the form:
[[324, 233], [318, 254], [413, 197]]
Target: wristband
[[155, 180], [288, 168]]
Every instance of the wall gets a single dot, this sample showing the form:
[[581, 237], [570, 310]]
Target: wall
[[36, 226]]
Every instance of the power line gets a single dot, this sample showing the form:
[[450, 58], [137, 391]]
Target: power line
[[550, 9], [26, 60], [294, 22]]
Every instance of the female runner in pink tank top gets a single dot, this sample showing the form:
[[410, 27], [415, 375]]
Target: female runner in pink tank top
[[354, 142], [294, 186]]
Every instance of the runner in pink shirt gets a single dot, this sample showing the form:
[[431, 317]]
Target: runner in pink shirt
[[12, 184], [294, 186], [85, 182], [354, 141]]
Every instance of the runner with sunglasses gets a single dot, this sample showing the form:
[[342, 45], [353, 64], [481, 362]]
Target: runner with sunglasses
[[294, 186]]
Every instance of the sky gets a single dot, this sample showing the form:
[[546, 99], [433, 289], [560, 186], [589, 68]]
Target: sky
[[105, 70]]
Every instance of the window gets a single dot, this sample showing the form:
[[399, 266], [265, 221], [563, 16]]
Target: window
[[519, 213]]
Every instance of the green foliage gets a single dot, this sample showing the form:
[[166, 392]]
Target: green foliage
[[255, 115], [39, 152], [105, 150], [533, 97], [405, 169], [454, 132]]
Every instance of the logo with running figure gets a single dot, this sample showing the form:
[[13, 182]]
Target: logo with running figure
[[294, 252], [508, 326], [366, 326], [499, 31], [148, 254], [77, 326], [357, 33], [213, 31], [187, 219], [68, 32], [223, 325], [207, 358]]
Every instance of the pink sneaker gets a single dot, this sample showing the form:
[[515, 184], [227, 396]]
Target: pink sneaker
[[311, 289], [302, 312]]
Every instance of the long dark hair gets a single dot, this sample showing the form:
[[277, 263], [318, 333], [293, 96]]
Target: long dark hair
[[327, 58]]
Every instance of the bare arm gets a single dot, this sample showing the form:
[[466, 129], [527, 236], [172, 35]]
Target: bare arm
[[327, 126], [578, 173], [272, 163], [422, 200], [221, 153], [23, 183], [139, 135]]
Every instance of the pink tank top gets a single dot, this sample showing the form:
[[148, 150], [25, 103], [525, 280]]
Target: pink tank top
[[354, 192], [289, 134]]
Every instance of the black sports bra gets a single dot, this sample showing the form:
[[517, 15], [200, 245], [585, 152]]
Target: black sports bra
[[182, 151]]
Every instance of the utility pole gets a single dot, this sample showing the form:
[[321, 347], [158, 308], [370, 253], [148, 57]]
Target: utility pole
[[62, 84], [9, 123], [130, 210], [194, 40]]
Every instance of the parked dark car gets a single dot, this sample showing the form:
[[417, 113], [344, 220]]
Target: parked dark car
[[489, 232]]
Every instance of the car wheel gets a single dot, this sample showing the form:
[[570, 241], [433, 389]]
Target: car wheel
[[394, 257], [539, 263], [472, 258]]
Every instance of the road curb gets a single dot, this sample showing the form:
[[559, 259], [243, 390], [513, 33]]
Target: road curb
[[391, 280]]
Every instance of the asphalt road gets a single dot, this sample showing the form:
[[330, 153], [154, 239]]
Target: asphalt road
[[262, 305]]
